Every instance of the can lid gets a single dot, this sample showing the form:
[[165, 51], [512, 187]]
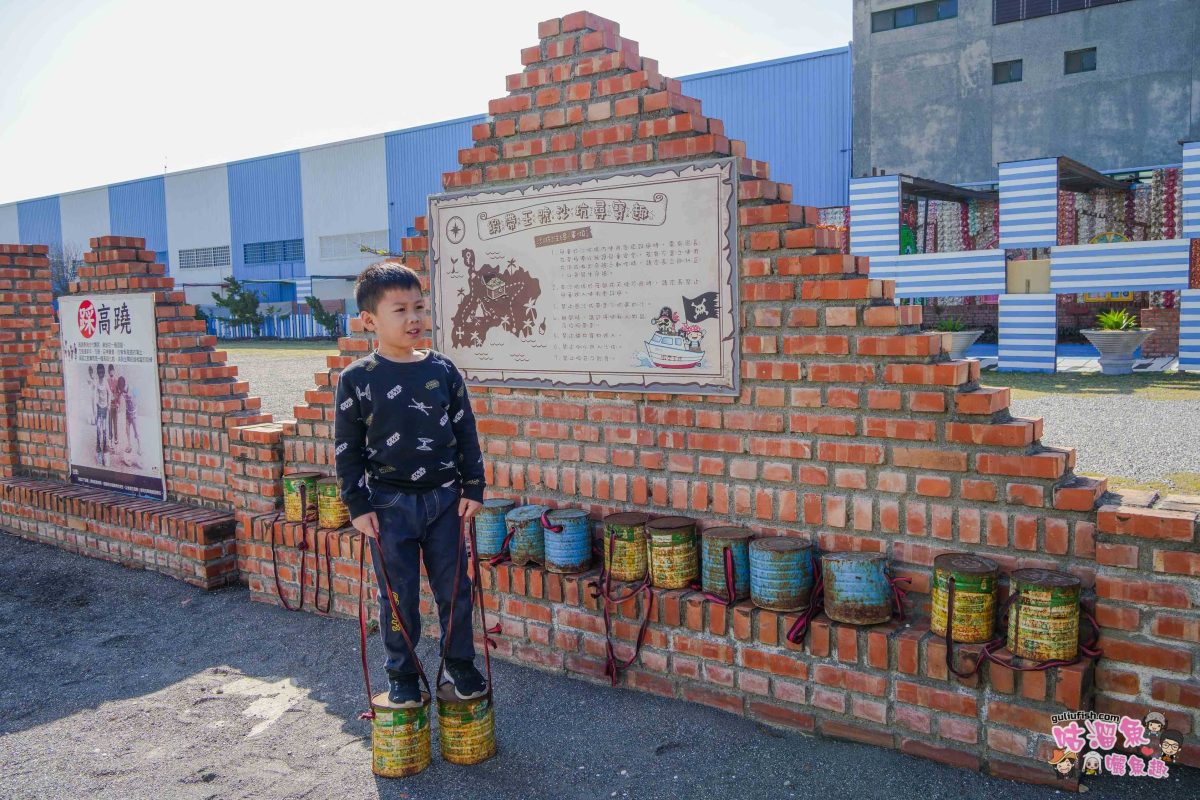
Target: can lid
[[780, 544], [567, 513], [303, 475], [627, 518], [853, 557], [326, 481], [671, 523], [498, 502], [965, 562], [527, 512], [730, 533], [1044, 577], [381, 701]]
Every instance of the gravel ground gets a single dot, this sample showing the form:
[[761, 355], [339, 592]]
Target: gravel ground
[[126, 684]]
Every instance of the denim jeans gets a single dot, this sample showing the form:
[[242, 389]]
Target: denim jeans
[[425, 526]]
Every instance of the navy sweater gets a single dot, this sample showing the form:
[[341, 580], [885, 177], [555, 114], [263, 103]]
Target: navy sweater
[[408, 426]]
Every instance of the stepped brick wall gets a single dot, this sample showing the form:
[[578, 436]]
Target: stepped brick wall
[[26, 315]]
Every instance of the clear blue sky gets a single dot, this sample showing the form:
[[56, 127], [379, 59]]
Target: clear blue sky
[[95, 92]]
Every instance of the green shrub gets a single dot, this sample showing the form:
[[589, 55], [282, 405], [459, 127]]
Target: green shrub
[[1116, 320]]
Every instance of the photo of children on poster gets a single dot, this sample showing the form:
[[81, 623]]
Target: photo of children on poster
[[110, 380]]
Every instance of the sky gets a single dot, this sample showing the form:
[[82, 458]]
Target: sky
[[96, 92]]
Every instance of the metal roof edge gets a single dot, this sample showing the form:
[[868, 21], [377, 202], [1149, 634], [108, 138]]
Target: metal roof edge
[[763, 64]]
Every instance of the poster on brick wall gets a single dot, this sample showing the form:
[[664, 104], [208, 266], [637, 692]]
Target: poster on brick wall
[[626, 280], [113, 405]]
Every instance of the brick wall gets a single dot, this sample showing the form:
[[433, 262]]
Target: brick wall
[[26, 315], [1165, 339]]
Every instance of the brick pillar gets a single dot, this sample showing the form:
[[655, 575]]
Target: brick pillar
[[1165, 340], [26, 319]]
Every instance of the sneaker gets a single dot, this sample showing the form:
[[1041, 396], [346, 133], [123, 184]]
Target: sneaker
[[468, 683], [404, 690]]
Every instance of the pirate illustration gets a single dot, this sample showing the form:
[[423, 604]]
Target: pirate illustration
[[693, 333], [665, 321]]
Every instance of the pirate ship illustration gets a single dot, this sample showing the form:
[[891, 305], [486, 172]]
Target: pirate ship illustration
[[671, 347]]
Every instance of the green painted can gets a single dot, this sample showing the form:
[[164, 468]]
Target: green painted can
[[624, 545], [1043, 619], [674, 556], [975, 582]]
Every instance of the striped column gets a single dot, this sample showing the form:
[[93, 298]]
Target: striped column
[[1028, 333], [875, 216], [1029, 203], [1191, 190], [1119, 266], [1189, 330]]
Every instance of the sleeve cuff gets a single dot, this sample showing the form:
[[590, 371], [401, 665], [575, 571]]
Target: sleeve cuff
[[473, 492], [358, 506]]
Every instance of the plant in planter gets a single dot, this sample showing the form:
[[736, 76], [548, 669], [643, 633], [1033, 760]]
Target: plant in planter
[[1117, 336], [961, 339]]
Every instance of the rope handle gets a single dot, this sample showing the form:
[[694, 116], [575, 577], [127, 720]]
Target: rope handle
[[730, 581], [503, 555], [816, 604], [550, 526], [477, 594]]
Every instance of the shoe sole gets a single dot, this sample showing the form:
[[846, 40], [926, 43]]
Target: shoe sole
[[459, 694], [405, 704]]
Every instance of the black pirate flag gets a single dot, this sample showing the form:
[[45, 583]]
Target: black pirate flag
[[698, 309]]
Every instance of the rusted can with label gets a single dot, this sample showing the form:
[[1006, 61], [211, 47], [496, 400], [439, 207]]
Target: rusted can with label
[[528, 542], [781, 573], [568, 540], [490, 527], [624, 545], [857, 590], [713, 544], [300, 496], [1043, 619], [673, 555], [975, 583], [466, 728], [400, 738], [331, 511]]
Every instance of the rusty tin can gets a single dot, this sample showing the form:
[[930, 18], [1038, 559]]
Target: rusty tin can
[[528, 542], [490, 528], [568, 550], [781, 573], [713, 544], [331, 511], [975, 582], [857, 590], [673, 555], [466, 728], [624, 545], [295, 507], [1043, 619], [400, 738]]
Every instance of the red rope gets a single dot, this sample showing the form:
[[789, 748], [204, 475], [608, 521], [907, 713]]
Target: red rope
[[602, 589], [816, 604]]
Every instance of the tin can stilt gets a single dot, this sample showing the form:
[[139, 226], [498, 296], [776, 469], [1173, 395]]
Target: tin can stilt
[[466, 728], [781, 573], [624, 545], [490, 525], [673, 555], [714, 543], [295, 509], [528, 542], [331, 511], [569, 549], [975, 582], [857, 590], [1043, 620], [400, 738]]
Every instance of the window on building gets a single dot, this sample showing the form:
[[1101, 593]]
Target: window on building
[[201, 257], [1080, 61], [347, 245], [1014, 10], [273, 252], [916, 14], [1006, 71], [1038, 8]]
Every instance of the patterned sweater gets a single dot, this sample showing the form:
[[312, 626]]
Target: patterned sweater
[[405, 425]]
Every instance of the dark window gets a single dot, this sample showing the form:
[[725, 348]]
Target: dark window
[[1069, 5], [883, 21], [273, 252], [1013, 10], [1006, 71], [1038, 8], [947, 9], [1080, 61], [917, 14], [906, 16], [1006, 11]]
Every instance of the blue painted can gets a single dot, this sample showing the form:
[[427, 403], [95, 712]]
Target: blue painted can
[[490, 528], [569, 549], [528, 542], [781, 573], [857, 590], [713, 544]]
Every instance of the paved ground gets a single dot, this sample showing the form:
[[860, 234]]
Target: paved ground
[[127, 684]]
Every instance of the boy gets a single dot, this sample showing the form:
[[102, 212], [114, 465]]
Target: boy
[[409, 467]]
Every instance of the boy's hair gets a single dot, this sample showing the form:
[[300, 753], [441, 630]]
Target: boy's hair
[[379, 278]]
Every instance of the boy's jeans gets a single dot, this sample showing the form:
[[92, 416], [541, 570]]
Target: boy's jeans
[[426, 523]]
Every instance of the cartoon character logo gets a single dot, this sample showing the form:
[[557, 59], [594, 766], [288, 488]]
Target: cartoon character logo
[[1063, 762], [1172, 743], [665, 321], [693, 333], [1092, 763]]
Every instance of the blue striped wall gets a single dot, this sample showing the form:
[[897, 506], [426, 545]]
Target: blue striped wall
[[40, 222], [1028, 333], [265, 206], [1191, 190], [416, 159], [1189, 330], [139, 208], [972, 272], [875, 216], [793, 113], [1029, 203], [1119, 266]]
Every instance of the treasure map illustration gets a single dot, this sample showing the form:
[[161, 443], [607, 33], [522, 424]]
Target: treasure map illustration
[[619, 281]]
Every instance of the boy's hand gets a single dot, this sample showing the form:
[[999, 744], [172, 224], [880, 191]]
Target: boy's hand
[[468, 508], [367, 524]]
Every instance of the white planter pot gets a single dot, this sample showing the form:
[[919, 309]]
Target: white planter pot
[[1116, 348], [961, 341]]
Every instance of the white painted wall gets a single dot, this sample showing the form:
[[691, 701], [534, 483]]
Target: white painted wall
[[10, 232], [344, 191], [84, 215], [198, 216]]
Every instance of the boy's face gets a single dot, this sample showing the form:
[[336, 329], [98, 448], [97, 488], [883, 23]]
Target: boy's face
[[399, 318]]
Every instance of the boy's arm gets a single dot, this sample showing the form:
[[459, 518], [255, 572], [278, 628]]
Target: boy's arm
[[349, 441], [470, 459]]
